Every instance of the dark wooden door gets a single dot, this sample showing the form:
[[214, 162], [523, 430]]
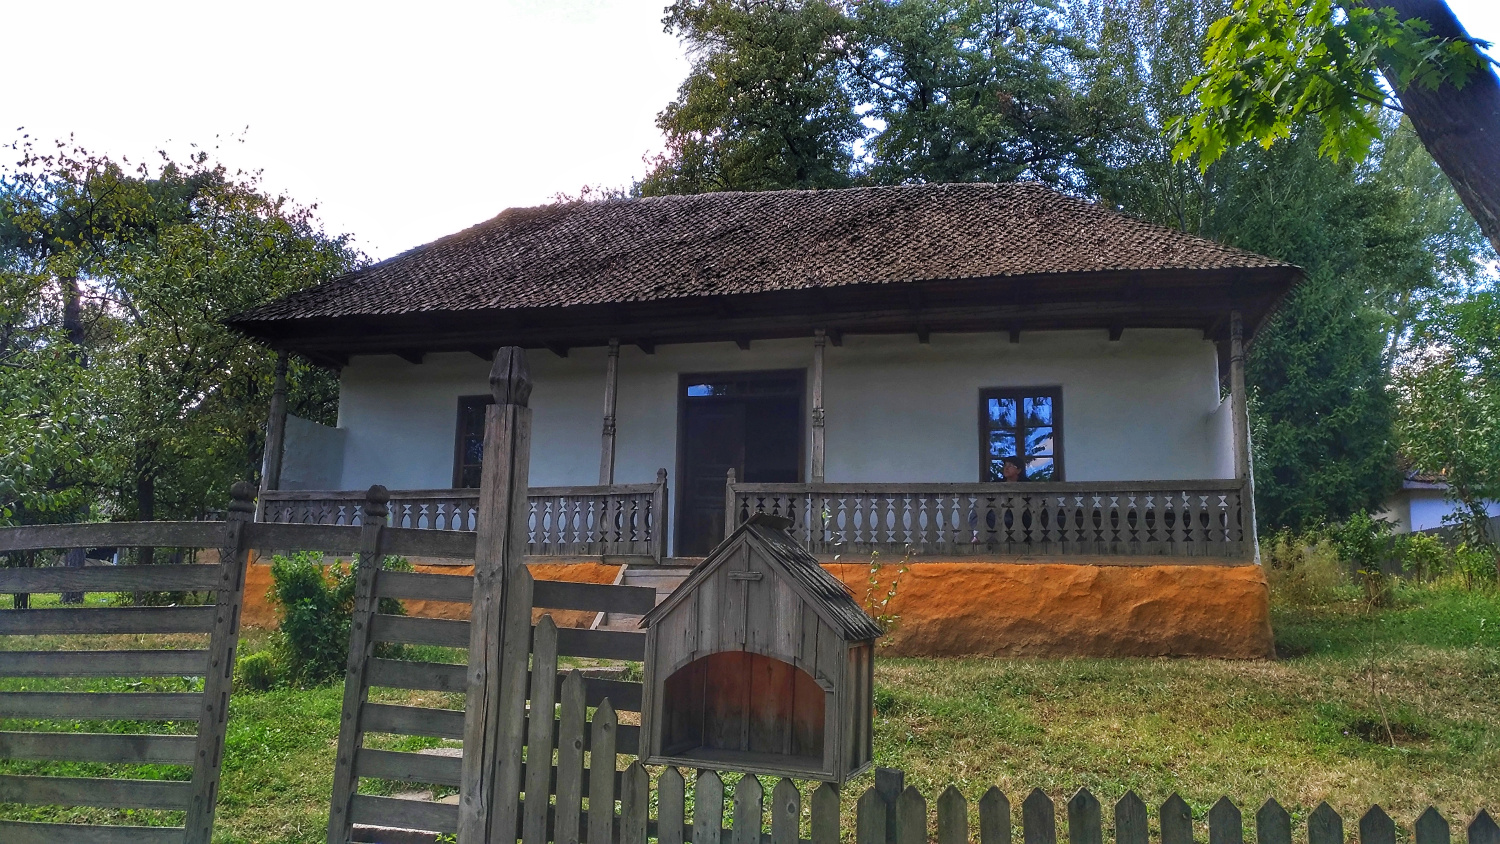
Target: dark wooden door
[[750, 422]]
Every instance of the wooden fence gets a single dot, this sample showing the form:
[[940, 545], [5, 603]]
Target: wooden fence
[[1178, 518], [200, 753]]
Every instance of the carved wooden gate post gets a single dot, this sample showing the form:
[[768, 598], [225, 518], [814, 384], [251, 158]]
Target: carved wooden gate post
[[500, 623]]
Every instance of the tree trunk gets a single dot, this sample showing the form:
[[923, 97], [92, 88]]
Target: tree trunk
[[1459, 126], [72, 315]]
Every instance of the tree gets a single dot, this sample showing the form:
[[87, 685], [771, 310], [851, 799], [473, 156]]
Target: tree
[[1270, 64], [765, 106]]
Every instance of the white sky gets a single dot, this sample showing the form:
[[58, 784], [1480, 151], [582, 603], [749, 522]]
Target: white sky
[[402, 121]]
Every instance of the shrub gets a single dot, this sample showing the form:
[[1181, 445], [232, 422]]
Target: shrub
[[1303, 568], [1423, 555], [1474, 565], [316, 605], [1365, 543], [257, 672]]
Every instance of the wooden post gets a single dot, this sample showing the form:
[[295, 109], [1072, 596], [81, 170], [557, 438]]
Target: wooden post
[[820, 341], [607, 445], [1240, 412], [270, 473], [730, 505], [213, 720], [660, 518], [500, 621], [356, 690]]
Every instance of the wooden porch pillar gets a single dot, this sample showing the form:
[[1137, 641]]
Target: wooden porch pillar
[[820, 342], [500, 621], [1239, 411], [270, 472], [607, 445]]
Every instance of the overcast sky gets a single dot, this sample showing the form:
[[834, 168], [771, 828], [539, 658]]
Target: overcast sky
[[402, 121]]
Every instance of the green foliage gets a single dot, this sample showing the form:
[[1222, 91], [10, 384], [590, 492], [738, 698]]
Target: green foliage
[[764, 107], [316, 605], [1365, 543], [257, 672], [1270, 64], [1475, 567], [1423, 556], [1304, 569]]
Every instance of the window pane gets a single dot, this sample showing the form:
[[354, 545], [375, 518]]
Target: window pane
[[1039, 441], [1039, 469], [996, 471], [1003, 412], [1002, 444], [1038, 410]]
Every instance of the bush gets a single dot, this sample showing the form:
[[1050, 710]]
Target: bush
[[1423, 555], [316, 605], [1475, 566], [1303, 568], [257, 672], [1365, 543]]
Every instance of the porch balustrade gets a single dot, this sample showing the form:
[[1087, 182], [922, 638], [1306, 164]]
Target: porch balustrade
[[620, 520], [1122, 518]]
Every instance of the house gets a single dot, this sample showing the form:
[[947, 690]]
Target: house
[[1037, 402], [1423, 503]]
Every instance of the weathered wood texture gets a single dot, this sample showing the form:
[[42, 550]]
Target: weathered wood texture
[[1124, 518], [615, 520], [200, 754]]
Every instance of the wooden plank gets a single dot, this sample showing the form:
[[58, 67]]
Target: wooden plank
[[671, 808], [1431, 828], [107, 620], [994, 817], [825, 815], [952, 817], [22, 832], [509, 733], [1273, 825], [409, 674], [601, 774], [708, 808], [1375, 827], [911, 817], [406, 630], [594, 597], [101, 706], [749, 810], [1483, 829], [95, 792], [1227, 826], [276, 536], [421, 542], [424, 586], [1131, 826], [635, 805], [413, 721], [1039, 819], [624, 695], [223, 642], [189, 578], [112, 535], [869, 818], [1324, 826], [786, 813], [570, 734], [407, 767], [539, 731], [404, 814], [97, 747], [1085, 822], [103, 663], [1176, 821], [601, 644]]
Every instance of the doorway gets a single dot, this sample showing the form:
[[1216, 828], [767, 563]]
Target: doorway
[[750, 422]]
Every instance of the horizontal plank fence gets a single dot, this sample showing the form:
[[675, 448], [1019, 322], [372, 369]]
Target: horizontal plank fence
[[200, 753]]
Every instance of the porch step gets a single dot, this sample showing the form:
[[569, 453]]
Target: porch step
[[663, 579]]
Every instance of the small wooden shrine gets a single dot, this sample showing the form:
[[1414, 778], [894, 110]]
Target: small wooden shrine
[[760, 662]]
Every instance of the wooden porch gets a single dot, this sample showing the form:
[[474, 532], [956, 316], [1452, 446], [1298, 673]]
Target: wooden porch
[[1079, 521]]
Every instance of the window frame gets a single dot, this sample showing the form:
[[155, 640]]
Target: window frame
[[1054, 392], [464, 403]]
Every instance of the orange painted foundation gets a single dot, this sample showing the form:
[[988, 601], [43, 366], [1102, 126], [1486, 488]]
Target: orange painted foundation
[[1048, 609], [260, 612]]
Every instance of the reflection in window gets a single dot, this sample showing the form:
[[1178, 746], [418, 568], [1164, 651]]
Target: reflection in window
[[469, 451], [1021, 428]]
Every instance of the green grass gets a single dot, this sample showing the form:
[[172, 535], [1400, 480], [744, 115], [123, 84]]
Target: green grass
[[1307, 727]]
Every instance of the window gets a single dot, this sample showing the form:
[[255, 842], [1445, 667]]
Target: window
[[468, 452], [1021, 426]]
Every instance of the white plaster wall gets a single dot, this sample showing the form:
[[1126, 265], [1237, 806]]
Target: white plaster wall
[[312, 455], [1145, 407]]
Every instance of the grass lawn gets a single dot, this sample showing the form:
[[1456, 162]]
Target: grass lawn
[[1307, 727]]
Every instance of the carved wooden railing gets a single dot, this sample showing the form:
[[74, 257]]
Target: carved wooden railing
[[624, 520], [1178, 518]]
